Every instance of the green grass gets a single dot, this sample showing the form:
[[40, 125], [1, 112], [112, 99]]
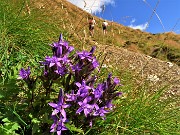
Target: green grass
[[24, 38], [24, 42], [140, 111]]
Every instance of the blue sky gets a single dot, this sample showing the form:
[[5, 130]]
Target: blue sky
[[137, 14]]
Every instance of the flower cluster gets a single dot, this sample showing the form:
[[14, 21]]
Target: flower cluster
[[82, 98], [58, 64]]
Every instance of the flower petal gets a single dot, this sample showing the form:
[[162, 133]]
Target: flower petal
[[63, 113], [59, 132], [78, 84], [55, 112], [54, 105], [79, 110]]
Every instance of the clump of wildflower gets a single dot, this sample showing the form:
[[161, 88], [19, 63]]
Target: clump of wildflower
[[81, 98], [84, 98]]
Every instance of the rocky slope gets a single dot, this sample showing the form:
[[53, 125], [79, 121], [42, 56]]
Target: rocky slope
[[159, 73]]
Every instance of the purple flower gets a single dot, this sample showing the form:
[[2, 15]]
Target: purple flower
[[58, 125], [60, 106], [24, 74], [60, 38], [109, 79], [116, 81], [109, 105], [61, 71], [76, 67], [98, 91], [117, 94], [90, 123], [92, 49], [61, 47], [100, 112], [71, 97], [64, 59], [53, 61], [95, 63], [85, 55], [83, 89], [70, 49], [84, 106]]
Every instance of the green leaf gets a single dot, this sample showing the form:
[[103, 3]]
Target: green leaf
[[5, 120], [35, 120], [1, 96], [15, 126], [72, 128], [9, 127]]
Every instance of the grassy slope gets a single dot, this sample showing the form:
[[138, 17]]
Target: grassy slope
[[163, 46]]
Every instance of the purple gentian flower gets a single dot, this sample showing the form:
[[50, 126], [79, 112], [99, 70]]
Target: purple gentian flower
[[54, 125], [85, 55], [90, 123], [70, 49], [109, 79], [92, 49], [116, 94], [109, 105], [60, 106], [64, 59], [98, 91], [58, 51], [100, 112], [53, 61], [60, 38], [84, 106], [61, 47], [83, 89], [61, 70], [58, 125], [76, 67], [95, 63], [116, 81], [24, 74], [71, 97]]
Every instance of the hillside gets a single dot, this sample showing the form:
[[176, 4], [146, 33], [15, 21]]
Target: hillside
[[137, 44], [165, 46]]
